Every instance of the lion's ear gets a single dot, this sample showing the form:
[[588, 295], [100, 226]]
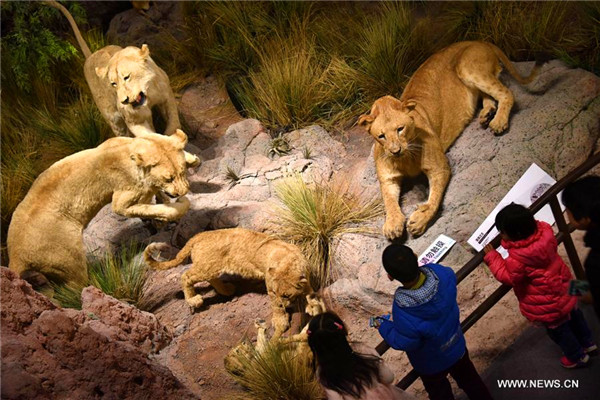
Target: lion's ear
[[365, 120], [144, 51], [180, 139], [143, 157], [409, 105], [101, 72], [302, 282]]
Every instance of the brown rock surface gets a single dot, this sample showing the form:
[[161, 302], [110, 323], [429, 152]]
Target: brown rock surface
[[47, 353]]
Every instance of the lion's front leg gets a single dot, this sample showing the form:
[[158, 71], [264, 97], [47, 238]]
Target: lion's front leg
[[280, 319], [139, 122], [394, 218], [438, 173], [171, 115], [129, 204]]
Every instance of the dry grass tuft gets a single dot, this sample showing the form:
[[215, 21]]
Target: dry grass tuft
[[276, 373], [313, 215]]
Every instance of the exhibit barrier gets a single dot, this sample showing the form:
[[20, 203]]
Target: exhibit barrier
[[563, 236]]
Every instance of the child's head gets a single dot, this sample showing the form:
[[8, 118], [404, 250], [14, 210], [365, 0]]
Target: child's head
[[400, 263], [340, 369], [582, 199], [516, 222]]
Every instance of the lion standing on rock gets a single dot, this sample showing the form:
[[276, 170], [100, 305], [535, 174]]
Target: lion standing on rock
[[126, 85], [45, 235], [413, 133], [245, 253]]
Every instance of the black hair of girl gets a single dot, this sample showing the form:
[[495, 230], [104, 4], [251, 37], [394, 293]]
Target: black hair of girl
[[340, 369], [516, 221]]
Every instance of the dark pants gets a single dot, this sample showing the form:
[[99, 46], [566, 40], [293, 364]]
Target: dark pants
[[572, 336], [466, 376]]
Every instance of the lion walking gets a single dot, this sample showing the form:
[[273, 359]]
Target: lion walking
[[249, 254], [413, 133]]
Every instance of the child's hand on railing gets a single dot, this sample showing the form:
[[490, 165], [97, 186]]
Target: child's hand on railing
[[488, 247]]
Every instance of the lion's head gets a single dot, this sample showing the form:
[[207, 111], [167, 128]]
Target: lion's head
[[286, 284], [391, 124], [130, 72], [162, 162]]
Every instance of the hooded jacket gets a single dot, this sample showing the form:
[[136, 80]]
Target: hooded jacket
[[425, 322], [537, 273]]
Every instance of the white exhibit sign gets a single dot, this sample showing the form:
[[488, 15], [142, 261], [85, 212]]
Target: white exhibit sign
[[436, 250], [530, 187]]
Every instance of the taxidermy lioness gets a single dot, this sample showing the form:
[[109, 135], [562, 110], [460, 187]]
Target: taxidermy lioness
[[413, 133], [45, 233], [245, 253], [126, 85]]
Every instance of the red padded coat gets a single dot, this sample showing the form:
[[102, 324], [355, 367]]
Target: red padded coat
[[538, 275]]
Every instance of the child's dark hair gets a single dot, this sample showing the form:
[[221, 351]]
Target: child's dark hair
[[582, 198], [516, 221], [400, 262], [340, 369]]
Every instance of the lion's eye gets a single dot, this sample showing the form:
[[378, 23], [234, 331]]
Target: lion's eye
[[114, 84], [170, 179], [400, 130], [382, 136], [126, 77]]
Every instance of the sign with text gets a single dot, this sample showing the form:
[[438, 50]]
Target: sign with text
[[436, 250], [530, 187]]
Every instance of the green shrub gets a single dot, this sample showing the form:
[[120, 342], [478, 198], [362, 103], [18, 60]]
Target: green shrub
[[122, 276], [312, 216]]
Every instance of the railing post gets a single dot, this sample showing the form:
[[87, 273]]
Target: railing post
[[567, 240]]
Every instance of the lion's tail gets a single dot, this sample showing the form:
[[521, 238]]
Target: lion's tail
[[511, 69], [84, 47], [180, 258]]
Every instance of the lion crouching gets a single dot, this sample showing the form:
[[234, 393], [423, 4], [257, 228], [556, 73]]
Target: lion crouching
[[413, 133], [246, 253], [45, 235]]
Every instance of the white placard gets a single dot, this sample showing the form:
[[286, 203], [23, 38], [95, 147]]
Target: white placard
[[436, 250], [534, 182]]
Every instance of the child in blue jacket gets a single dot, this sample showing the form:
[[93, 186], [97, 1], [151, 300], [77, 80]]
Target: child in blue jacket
[[425, 323]]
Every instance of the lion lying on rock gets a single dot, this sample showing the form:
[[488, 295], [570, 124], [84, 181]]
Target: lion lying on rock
[[126, 85], [246, 253], [413, 133], [45, 233], [297, 344]]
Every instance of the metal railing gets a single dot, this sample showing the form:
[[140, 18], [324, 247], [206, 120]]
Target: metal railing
[[563, 236]]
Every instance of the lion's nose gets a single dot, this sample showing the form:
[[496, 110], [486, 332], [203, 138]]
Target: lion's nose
[[396, 152], [126, 100]]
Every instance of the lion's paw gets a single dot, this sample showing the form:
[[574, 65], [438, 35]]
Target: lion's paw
[[260, 323], [486, 116], [196, 301], [497, 126], [314, 305], [393, 227], [417, 223]]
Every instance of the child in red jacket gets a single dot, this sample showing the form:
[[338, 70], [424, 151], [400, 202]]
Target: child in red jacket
[[540, 279]]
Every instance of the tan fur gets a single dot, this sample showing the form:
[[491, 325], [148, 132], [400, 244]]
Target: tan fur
[[412, 134], [298, 344], [45, 233], [117, 76], [246, 253]]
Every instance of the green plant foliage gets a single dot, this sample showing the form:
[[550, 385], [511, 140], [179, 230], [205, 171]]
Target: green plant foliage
[[277, 373], [312, 216], [279, 146], [122, 276], [34, 47]]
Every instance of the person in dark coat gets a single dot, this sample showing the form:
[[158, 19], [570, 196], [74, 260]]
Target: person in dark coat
[[425, 323], [582, 200]]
